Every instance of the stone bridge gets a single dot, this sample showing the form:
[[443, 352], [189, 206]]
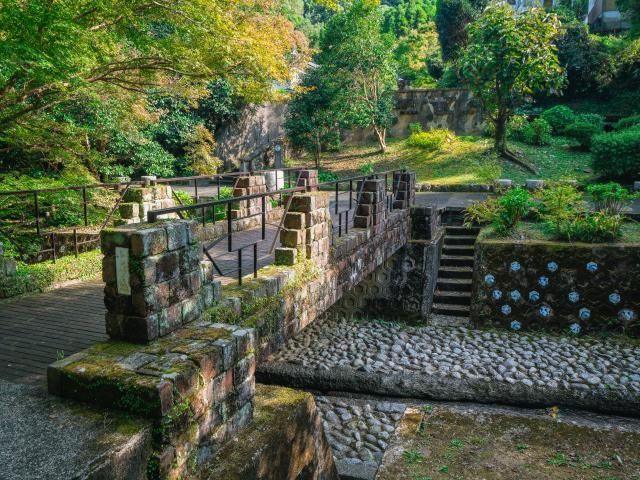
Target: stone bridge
[[184, 348]]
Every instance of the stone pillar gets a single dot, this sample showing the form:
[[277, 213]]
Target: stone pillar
[[138, 201], [249, 185], [7, 265], [154, 280], [308, 178], [371, 203], [425, 222], [405, 185], [307, 230]]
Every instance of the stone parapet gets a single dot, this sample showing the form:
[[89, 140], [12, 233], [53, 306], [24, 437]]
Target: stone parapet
[[307, 230], [309, 179], [372, 199], [154, 279], [404, 189], [250, 185], [138, 201], [196, 384]]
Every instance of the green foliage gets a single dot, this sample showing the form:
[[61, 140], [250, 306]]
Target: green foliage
[[311, 122], [408, 15], [510, 56], [610, 198], [432, 140], [415, 127], [627, 122], [559, 117], [452, 18], [559, 204], [590, 227], [326, 176], [357, 69], [514, 205], [583, 131], [617, 153], [537, 132], [367, 168], [97, 68], [417, 55], [504, 213], [42, 276]]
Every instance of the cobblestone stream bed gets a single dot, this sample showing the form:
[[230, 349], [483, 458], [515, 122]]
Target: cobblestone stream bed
[[460, 364]]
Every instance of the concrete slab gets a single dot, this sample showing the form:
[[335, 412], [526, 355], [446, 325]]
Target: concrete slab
[[43, 437]]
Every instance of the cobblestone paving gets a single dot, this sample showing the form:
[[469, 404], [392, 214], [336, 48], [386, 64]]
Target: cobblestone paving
[[462, 354], [358, 430]]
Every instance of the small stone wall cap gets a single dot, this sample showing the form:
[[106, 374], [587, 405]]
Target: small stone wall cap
[[149, 179], [533, 184], [504, 182]]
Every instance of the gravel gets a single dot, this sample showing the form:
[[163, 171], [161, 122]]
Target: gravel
[[584, 367]]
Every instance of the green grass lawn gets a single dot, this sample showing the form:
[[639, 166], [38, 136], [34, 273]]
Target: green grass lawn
[[536, 231], [465, 160]]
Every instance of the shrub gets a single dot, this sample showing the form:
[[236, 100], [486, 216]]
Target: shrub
[[514, 205], [415, 127], [366, 169], [583, 132], [617, 153], [481, 213], [326, 176], [594, 119], [590, 227], [432, 140], [558, 118], [537, 132], [559, 203], [627, 122], [610, 198]]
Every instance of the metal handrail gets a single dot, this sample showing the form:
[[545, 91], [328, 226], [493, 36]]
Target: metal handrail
[[153, 216]]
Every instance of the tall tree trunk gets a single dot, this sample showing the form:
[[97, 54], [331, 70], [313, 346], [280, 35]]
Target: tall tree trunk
[[501, 134], [382, 137]]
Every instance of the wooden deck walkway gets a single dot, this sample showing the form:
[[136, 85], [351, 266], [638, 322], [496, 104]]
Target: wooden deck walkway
[[37, 329]]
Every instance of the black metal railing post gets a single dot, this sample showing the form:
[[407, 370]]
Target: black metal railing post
[[240, 266], [229, 227], [85, 208], [75, 241], [255, 260], [264, 217]]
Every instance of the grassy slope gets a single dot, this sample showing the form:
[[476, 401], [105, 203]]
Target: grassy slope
[[465, 160]]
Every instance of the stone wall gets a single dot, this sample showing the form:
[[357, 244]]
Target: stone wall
[[573, 288], [450, 108]]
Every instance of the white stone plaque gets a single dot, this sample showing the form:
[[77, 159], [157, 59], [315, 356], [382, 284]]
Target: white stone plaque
[[122, 271]]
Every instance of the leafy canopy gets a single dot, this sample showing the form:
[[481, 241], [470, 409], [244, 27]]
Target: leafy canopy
[[511, 56]]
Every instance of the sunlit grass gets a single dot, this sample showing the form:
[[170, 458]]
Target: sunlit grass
[[467, 159]]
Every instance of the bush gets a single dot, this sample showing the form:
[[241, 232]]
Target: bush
[[610, 198], [617, 153], [415, 127], [432, 140], [628, 122], [326, 176], [558, 118], [537, 132], [504, 213], [514, 205], [590, 227], [367, 168], [559, 203], [583, 132]]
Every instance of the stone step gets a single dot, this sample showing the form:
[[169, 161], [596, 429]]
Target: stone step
[[455, 272], [452, 298], [467, 250], [456, 261], [447, 321], [450, 310], [454, 284], [462, 231], [459, 239]]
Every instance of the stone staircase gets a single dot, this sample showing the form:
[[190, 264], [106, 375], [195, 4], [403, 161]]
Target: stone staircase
[[452, 299]]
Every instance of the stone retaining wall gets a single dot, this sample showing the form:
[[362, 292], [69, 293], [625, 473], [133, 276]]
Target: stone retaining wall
[[577, 288]]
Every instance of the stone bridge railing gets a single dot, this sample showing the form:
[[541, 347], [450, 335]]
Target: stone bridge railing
[[184, 349]]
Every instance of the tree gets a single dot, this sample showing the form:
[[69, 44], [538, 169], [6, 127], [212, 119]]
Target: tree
[[55, 54], [356, 63], [311, 123], [632, 9], [452, 18], [510, 56]]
